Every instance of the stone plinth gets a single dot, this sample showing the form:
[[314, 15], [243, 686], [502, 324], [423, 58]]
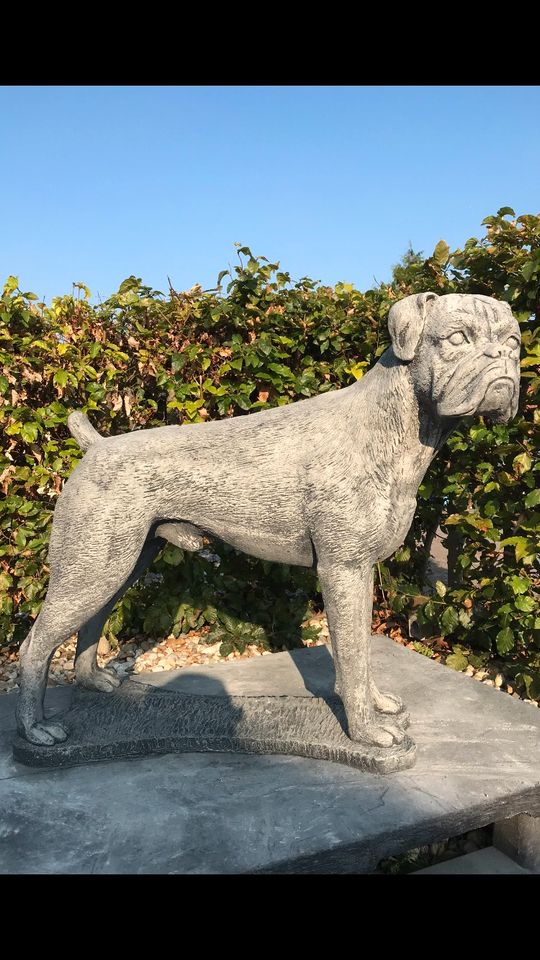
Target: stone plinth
[[478, 761]]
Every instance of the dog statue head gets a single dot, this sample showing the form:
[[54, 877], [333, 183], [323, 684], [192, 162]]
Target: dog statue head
[[462, 351]]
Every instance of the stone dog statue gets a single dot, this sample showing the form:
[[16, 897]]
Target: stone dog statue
[[329, 482]]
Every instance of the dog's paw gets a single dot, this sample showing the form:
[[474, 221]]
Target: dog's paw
[[386, 702], [378, 733], [106, 680], [45, 733]]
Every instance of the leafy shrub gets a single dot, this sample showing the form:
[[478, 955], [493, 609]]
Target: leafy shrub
[[143, 359]]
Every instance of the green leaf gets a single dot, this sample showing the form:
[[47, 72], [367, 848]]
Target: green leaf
[[403, 555], [429, 610], [172, 555], [525, 604], [440, 588], [505, 640], [478, 660], [465, 618], [505, 212], [210, 614], [528, 269], [518, 584], [449, 621], [130, 283], [29, 432], [215, 635], [522, 463], [20, 538], [423, 649], [533, 498], [453, 519], [10, 285], [61, 377], [281, 369], [232, 624], [441, 253], [457, 661], [525, 550], [178, 361]]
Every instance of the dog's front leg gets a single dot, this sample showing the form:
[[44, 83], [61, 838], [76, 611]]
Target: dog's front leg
[[347, 590]]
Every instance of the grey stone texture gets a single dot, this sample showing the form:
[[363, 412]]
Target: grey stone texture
[[519, 838], [329, 482], [478, 762], [486, 862], [140, 719]]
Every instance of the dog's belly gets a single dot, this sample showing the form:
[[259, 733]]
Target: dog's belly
[[286, 548]]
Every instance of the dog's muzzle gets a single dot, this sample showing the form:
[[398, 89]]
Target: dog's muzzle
[[492, 392], [500, 400]]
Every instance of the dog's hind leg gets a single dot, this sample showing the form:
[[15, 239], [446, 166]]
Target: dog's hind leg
[[87, 672], [90, 565], [35, 656], [54, 625]]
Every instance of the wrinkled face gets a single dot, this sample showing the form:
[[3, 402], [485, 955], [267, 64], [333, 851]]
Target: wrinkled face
[[467, 359]]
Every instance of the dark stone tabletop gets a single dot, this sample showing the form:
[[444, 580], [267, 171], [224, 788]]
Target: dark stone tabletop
[[477, 761]]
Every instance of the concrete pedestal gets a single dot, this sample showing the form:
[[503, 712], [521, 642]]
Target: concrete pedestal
[[519, 838]]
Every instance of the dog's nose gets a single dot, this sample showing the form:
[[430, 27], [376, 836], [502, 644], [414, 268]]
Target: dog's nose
[[493, 349]]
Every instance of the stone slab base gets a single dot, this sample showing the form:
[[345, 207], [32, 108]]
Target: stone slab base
[[139, 720], [478, 762], [486, 862]]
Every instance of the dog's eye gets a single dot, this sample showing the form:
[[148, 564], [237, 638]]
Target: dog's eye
[[457, 338], [513, 343]]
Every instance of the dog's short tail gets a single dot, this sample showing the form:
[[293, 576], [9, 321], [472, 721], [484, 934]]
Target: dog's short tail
[[81, 428]]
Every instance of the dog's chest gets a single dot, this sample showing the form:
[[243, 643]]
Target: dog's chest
[[385, 506], [398, 501], [399, 517]]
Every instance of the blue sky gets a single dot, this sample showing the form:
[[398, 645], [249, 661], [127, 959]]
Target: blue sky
[[98, 183]]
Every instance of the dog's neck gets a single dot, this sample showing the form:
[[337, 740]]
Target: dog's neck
[[406, 434]]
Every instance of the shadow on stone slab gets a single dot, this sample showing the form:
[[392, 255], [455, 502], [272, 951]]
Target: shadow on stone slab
[[140, 719]]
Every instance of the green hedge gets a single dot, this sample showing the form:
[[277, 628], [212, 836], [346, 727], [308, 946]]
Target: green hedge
[[144, 358]]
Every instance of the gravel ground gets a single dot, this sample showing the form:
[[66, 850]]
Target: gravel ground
[[141, 655], [138, 655]]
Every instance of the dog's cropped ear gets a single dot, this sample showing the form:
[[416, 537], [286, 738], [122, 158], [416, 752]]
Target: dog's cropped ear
[[406, 322]]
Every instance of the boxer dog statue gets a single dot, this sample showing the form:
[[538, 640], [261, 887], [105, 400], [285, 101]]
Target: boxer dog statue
[[328, 482]]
